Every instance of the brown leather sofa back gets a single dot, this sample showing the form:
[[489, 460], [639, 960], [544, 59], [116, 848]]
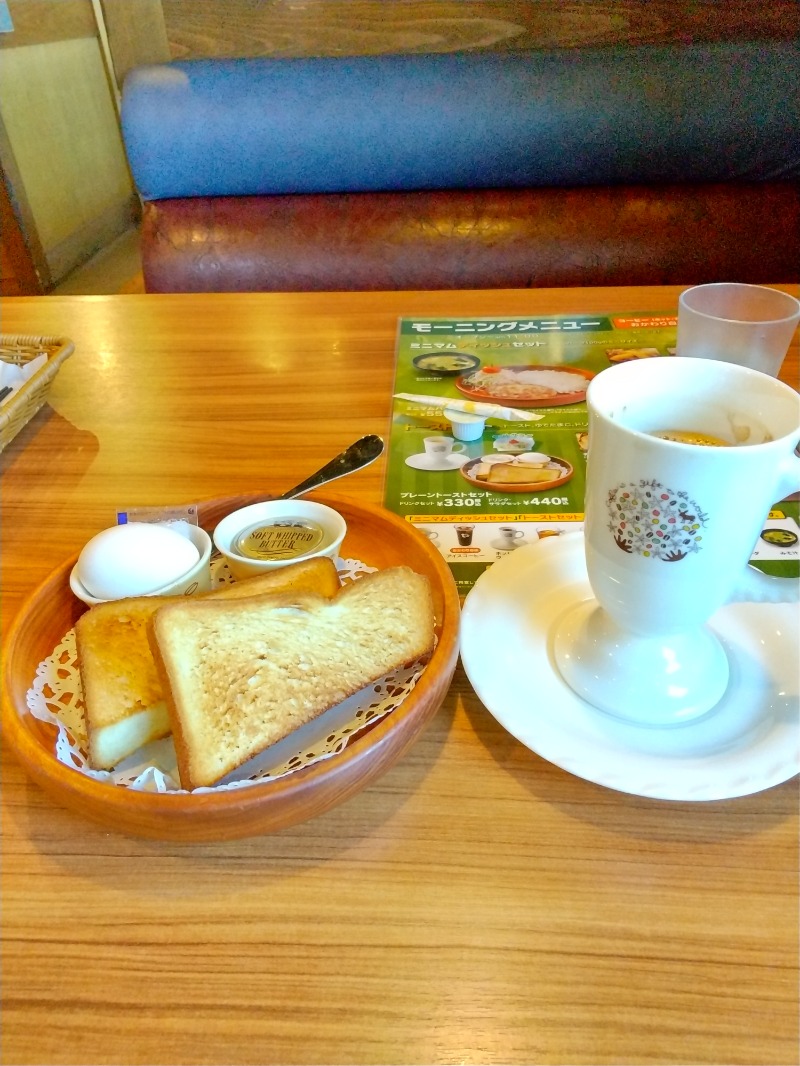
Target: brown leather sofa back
[[497, 238]]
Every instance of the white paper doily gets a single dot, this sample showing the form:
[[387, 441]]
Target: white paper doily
[[56, 697]]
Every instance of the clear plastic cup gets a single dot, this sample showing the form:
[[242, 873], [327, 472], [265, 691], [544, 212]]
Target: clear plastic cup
[[745, 324]]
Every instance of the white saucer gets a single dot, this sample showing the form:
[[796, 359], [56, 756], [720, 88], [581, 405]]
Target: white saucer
[[505, 546], [750, 741], [448, 462]]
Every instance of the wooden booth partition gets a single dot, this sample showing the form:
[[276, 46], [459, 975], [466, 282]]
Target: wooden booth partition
[[70, 191]]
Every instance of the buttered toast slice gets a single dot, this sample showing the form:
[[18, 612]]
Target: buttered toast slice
[[239, 677], [124, 705], [309, 575]]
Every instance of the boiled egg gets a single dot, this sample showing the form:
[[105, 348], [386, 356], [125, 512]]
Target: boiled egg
[[534, 458], [490, 459], [135, 559]]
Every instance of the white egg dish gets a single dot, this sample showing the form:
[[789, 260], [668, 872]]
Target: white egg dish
[[142, 559]]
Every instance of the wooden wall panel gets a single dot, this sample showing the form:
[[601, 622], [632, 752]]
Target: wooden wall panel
[[136, 34], [40, 21], [58, 112], [60, 143], [198, 28]]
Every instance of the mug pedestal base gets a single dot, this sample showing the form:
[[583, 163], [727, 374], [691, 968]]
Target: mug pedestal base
[[649, 680]]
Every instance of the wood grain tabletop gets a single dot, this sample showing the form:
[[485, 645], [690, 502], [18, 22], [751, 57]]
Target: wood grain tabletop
[[475, 904]]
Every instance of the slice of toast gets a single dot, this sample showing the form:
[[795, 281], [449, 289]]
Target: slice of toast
[[239, 677], [309, 575], [124, 705], [519, 474]]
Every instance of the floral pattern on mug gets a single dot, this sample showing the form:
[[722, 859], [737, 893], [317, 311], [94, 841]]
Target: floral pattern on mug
[[651, 520]]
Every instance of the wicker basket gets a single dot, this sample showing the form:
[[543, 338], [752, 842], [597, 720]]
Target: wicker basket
[[22, 405]]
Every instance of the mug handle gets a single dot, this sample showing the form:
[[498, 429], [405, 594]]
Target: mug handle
[[459, 447]]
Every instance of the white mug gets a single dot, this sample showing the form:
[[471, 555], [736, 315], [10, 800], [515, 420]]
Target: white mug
[[670, 528], [509, 534], [438, 447]]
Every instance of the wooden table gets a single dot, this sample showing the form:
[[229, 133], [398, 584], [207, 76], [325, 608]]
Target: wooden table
[[476, 904]]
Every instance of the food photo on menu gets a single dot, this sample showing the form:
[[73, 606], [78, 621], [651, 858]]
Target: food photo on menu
[[487, 451]]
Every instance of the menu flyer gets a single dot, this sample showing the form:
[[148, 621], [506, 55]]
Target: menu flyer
[[487, 448]]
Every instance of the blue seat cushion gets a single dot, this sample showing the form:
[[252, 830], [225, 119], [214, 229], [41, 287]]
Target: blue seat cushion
[[605, 116]]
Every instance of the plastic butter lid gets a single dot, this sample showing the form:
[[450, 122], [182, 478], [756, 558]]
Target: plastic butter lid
[[287, 538]]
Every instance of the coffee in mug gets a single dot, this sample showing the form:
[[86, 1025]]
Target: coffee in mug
[[691, 436], [670, 528], [509, 534]]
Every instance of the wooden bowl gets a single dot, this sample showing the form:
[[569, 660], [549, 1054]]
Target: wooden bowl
[[376, 537]]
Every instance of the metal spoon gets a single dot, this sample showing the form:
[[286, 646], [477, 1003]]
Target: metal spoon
[[360, 453]]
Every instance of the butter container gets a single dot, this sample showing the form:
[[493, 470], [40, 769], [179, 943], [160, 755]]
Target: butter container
[[269, 535]]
